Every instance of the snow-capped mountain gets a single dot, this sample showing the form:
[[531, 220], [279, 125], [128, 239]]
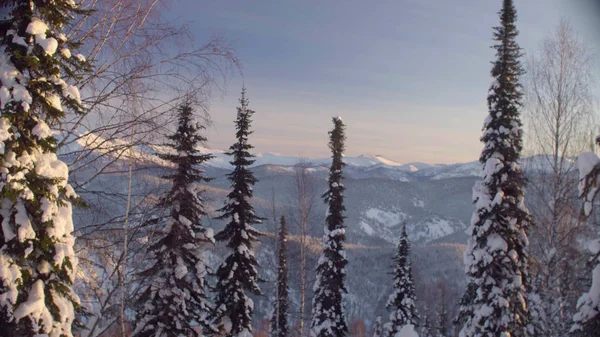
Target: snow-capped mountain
[[268, 158], [363, 166], [360, 167]]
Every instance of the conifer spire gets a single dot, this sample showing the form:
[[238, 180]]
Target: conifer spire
[[401, 302], [37, 259], [328, 316], [496, 258], [176, 299], [238, 274], [279, 319]]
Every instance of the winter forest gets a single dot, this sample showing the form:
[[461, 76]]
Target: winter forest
[[118, 220]]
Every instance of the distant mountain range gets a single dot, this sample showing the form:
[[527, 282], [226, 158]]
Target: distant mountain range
[[377, 164], [358, 167], [434, 201]]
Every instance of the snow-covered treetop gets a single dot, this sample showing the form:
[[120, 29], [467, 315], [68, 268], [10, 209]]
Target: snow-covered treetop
[[176, 277], [37, 260], [32, 47], [496, 257], [237, 274], [402, 301], [328, 316]]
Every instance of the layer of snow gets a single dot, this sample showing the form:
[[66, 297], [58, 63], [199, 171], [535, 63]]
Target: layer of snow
[[418, 203], [407, 331], [586, 163], [49, 45], [66, 53], [383, 223], [10, 275], [386, 218], [589, 303], [35, 307], [367, 228], [41, 130], [412, 168], [36, 26], [434, 227]]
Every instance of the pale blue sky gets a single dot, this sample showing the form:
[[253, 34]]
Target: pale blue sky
[[409, 77]]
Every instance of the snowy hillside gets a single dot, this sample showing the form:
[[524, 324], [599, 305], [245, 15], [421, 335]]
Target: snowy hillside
[[388, 224]]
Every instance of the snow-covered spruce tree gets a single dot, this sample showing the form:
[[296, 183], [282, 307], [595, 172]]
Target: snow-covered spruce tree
[[401, 302], [279, 319], [176, 298], [328, 316], [378, 327], [586, 321], [238, 274], [37, 261], [496, 257]]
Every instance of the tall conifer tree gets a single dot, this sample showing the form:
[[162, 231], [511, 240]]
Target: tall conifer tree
[[328, 316], [238, 274], [176, 301], [401, 302], [37, 260], [496, 258], [279, 319]]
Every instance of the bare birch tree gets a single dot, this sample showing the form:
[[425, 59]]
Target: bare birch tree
[[304, 194], [138, 55], [144, 63], [559, 107]]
